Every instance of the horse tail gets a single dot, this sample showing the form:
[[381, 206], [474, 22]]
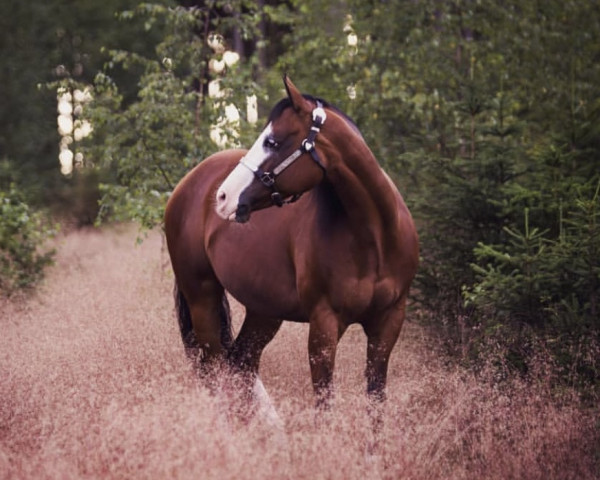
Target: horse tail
[[225, 320], [184, 318]]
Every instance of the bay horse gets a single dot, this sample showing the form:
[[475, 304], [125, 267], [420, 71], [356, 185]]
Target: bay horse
[[342, 250]]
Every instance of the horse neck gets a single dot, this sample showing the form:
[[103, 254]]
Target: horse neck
[[365, 193]]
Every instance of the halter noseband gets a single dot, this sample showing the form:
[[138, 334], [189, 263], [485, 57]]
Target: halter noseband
[[307, 146]]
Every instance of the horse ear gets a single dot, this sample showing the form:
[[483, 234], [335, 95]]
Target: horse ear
[[298, 101]]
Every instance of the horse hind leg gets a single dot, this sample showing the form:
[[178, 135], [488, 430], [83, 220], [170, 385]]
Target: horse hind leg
[[382, 335], [204, 324]]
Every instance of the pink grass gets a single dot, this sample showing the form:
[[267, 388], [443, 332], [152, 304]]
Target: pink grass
[[94, 384]]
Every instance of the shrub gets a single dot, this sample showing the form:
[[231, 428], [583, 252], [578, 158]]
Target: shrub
[[22, 236], [146, 144]]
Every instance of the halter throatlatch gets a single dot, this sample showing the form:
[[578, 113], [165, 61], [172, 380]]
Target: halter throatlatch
[[307, 146]]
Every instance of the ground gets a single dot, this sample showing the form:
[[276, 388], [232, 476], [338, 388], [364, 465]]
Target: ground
[[94, 384]]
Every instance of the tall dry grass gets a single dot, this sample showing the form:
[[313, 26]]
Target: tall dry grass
[[93, 384]]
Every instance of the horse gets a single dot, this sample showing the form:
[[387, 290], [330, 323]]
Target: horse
[[342, 248]]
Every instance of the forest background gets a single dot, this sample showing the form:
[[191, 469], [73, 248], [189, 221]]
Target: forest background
[[485, 113]]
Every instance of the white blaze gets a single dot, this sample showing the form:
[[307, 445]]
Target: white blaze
[[241, 177]]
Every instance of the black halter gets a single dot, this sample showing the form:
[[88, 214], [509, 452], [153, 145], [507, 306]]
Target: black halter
[[307, 146]]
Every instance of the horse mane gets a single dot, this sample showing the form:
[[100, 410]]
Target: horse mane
[[287, 103]]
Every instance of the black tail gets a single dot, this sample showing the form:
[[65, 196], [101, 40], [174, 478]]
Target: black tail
[[188, 336], [225, 320]]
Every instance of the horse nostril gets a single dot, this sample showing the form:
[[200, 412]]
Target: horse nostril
[[222, 197]]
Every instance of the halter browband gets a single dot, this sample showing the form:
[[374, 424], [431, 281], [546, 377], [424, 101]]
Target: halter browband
[[307, 146]]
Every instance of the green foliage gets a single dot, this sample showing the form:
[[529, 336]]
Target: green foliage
[[547, 282], [487, 116], [22, 237], [485, 113], [149, 143], [515, 278], [42, 42]]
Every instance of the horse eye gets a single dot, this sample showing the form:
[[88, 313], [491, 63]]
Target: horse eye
[[271, 144]]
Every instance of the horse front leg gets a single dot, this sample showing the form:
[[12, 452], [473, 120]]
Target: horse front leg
[[255, 334], [324, 334], [244, 358]]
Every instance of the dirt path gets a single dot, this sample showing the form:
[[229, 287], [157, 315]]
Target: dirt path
[[93, 384]]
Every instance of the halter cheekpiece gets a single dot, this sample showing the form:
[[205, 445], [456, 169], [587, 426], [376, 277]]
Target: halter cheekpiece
[[307, 146]]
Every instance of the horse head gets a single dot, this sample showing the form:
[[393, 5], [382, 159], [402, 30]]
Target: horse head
[[283, 162]]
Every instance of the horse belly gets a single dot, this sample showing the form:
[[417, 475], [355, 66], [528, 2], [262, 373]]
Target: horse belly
[[270, 304], [257, 273]]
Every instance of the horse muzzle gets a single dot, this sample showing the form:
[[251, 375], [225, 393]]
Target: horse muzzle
[[242, 214]]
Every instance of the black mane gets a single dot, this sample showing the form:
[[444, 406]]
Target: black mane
[[287, 103]]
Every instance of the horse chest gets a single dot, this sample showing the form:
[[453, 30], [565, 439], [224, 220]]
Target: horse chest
[[349, 284], [358, 299], [350, 276]]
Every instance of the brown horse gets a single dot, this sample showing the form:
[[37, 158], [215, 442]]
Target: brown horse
[[345, 252]]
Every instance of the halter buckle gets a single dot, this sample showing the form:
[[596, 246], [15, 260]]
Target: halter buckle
[[318, 115], [267, 179]]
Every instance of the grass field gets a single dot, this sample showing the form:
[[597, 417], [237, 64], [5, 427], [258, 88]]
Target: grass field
[[94, 384]]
